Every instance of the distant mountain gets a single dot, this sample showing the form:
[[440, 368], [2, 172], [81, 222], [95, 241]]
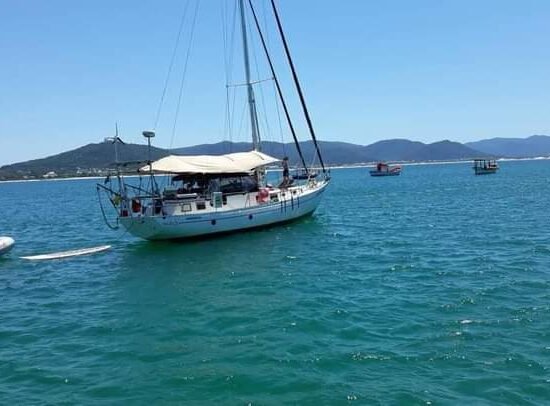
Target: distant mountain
[[393, 150], [94, 159], [337, 153], [334, 153], [405, 150], [87, 160], [219, 148], [536, 145], [445, 150]]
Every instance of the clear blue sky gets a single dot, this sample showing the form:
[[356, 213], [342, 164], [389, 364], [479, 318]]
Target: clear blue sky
[[371, 70]]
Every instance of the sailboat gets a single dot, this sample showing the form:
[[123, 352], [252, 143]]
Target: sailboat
[[212, 194]]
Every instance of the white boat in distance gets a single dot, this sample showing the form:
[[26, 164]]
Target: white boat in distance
[[210, 194]]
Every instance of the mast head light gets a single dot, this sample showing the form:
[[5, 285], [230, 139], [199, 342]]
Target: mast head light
[[148, 134]]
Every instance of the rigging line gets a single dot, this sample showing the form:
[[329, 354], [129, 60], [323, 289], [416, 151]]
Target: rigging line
[[242, 119], [313, 160], [172, 59], [279, 119], [184, 72], [279, 90], [297, 83], [255, 82], [225, 35], [224, 18], [229, 43], [227, 123], [274, 88], [115, 227], [231, 56], [227, 40], [259, 82], [227, 128], [264, 15], [266, 130]]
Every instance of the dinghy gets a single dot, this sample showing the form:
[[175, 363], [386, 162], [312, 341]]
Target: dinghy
[[6, 244]]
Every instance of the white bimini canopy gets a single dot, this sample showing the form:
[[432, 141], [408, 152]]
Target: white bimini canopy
[[239, 162]]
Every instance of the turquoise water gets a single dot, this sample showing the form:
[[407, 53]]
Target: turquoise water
[[428, 288]]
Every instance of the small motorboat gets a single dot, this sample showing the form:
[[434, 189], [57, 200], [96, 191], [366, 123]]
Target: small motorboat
[[485, 166], [383, 169], [6, 244]]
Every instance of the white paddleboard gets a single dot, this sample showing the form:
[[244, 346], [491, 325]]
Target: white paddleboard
[[68, 254], [6, 244]]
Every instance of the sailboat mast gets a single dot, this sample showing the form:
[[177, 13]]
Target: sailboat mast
[[251, 100]]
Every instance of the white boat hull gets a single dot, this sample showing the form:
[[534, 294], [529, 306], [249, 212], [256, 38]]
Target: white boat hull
[[6, 244], [194, 225]]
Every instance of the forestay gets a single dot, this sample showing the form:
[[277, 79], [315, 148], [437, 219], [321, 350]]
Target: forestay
[[239, 162]]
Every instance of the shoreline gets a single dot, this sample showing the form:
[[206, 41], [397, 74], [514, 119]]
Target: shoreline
[[336, 167], [453, 162], [51, 179]]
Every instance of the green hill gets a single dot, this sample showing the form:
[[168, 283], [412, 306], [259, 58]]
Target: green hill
[[89, 160]]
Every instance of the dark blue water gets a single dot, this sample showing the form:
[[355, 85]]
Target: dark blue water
[[428, 288]]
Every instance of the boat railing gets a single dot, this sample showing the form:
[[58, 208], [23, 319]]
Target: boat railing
[[145, 203]]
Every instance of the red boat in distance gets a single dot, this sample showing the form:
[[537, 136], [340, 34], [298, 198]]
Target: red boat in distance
[[383, 169]]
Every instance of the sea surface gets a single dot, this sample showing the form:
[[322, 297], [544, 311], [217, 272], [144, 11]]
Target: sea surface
[[428, 288]]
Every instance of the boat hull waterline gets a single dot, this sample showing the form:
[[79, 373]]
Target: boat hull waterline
[[194, 225], [385, 173], [481, 171]]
